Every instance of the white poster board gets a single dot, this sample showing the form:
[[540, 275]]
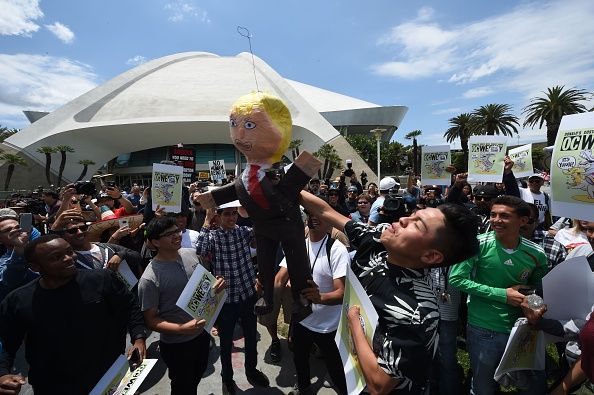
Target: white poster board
[[120, 380], [522, 158], [124, 273], [572, 168], [486, 158], [166, 188], [434, 161], [217, 169], [354, 294], [199, 298]]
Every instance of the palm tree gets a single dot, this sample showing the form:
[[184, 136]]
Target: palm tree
[[6, 133], [495, 119], [48, 151], [413, 135], [86, 163], [551, 108], [461, 127], [12, 160], [294, 147], [331, 160], [63, 149]]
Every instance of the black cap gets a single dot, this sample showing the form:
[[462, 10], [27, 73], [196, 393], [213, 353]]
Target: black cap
[[486, 190]]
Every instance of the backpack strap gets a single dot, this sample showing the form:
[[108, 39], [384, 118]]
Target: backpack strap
[[329, 242]]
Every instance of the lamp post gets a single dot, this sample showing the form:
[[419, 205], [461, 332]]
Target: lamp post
[[378, 137]]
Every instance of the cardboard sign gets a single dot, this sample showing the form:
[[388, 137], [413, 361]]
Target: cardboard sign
[[185, 157], [217, 169], [522, 157], [485, 159], [166, 188], [434, 161]]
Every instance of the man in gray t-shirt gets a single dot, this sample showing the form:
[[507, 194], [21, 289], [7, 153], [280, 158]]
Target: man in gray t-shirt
[[184, 344]]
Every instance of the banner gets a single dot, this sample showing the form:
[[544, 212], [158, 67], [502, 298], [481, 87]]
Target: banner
[[185, 157], [217, 169], [199, 298], [572, 168], [166, 190], [354, 294], [522, 157], [485, 158], [434, 160], [120, 380]]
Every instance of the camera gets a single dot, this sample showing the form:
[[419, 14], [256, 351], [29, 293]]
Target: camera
[[349, 171], [393, 208], [85, 188]]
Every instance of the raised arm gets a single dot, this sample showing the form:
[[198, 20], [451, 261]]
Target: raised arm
[[321, 209]]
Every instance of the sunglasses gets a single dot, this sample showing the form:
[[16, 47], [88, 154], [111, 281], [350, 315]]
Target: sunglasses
[[73, 231], [363, 202]]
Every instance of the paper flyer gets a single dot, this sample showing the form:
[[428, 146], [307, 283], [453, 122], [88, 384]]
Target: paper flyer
[[126, 276], [119, 380], [572, 168], [217, 169], [522, 157], [434, 161], [354, 294], [525, 350], [485, 158], [166, 190], [199, 299]]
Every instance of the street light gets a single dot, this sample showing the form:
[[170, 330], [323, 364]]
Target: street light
[[378, 137]]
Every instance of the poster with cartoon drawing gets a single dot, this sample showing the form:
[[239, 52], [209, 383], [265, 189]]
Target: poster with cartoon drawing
[[522, 157], [434, 161], [121, 380], [166, 189], [572, 168], [354, 294], [485, 158], [199, 298]]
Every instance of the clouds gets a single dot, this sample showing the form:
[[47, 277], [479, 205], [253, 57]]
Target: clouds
[[18, 17], [180, 10], [533, 46], [36, 82], [136, 60], [61, 31]]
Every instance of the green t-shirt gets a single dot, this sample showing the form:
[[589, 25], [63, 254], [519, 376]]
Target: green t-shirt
[[486, 276]]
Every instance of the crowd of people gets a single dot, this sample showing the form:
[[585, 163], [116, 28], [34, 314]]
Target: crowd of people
[[442, 265]]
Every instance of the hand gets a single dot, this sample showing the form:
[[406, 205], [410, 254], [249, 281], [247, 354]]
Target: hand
[[312, 293], [68, 192], [192, 327], [160, 212], [515, 298], [258, 286], [451, 169], [114, 263], [140, 345], [206, 200], [18, 237], [11, 383], [507, 165], [220, 284], [353, 316], [120, 233], [114, 192], [67, 216], [461, 177], [193, 188], [533, 316], [133, 232], [87, 199]]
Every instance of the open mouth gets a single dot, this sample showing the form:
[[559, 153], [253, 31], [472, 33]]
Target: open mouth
[[243, 145]]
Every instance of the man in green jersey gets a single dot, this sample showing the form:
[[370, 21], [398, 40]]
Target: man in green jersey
[[505, 265]]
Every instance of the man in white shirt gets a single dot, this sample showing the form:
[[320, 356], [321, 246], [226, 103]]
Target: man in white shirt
[[189, 236], [325, 293], [534, 195]]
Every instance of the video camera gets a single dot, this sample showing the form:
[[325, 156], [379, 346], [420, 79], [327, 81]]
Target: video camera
[[393, 208]]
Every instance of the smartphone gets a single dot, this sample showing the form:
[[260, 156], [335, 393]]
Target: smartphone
[[26, 222], [123, 222]]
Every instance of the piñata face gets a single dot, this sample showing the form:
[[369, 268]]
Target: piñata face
[[255, 135]]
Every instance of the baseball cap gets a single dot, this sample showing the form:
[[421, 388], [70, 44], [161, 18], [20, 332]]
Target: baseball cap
[[352, 189], [536, 175], [486, 190], [387, 183], [8, 213], [232, 204]]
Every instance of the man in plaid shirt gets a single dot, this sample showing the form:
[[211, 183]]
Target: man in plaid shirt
[[555, 251], [228, 248]]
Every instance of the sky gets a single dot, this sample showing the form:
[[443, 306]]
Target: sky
[[439, 58]]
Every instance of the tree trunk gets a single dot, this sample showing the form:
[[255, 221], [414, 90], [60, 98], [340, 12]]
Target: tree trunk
[[62, 166], [552, 130], [464, 144], [415, 162], [83, 173], [9, 172], [326, 166], [48, 163]]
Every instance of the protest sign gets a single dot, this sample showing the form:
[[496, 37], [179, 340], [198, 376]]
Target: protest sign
[[354, 294], [572, 168], [522, 158], [434, 161], [485, 159], [217, 169], [124, 273], [199, 298], [166, 190], [185, 157], [120, 380]]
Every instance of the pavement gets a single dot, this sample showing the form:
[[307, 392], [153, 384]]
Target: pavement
[[281, 375]]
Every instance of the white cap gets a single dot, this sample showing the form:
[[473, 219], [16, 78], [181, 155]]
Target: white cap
[[387, 183], [232, 204], [536, 175]]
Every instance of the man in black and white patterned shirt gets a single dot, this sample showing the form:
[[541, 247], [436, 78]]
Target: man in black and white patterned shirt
[[392, 263]]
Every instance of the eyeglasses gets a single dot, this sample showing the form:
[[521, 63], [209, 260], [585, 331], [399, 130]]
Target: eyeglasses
[[171, 233], [363, 202], [73, 231], [482, 198]]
